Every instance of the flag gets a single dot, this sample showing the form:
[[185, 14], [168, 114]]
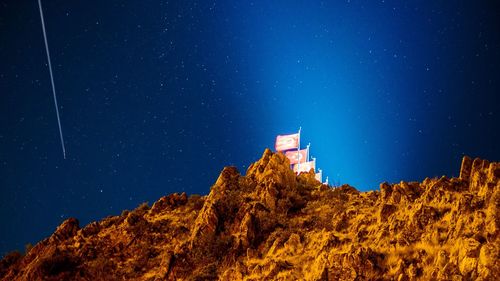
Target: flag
[[297, 156], [287, 142], [304, 167], [319, 176]]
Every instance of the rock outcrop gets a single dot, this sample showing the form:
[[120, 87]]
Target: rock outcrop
[[273, 225]]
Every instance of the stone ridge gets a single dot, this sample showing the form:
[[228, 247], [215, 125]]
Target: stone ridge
[[273, 225]]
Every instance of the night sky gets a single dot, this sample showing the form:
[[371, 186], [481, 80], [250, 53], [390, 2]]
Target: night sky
[[157, 97]]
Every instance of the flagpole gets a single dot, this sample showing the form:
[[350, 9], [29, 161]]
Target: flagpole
[[307, 159], [298, 153]]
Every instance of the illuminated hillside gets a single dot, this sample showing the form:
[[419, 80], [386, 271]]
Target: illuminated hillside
[[273, 225]]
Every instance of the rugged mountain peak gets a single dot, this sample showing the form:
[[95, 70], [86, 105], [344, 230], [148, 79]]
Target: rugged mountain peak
[[271, 224], [273, 169]]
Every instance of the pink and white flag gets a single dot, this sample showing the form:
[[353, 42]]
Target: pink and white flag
[[295, 157], [287, 142], [319, 176], [304, 167]]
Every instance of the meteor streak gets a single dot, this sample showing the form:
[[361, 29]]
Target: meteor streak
[[52, 79]]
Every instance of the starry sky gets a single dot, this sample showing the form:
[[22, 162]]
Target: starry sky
[[157, 97]]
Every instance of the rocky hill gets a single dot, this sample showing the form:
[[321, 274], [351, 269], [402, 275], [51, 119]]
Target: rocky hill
[[273, 225]]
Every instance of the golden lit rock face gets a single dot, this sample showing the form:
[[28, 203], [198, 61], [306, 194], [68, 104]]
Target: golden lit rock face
[[273, 225]]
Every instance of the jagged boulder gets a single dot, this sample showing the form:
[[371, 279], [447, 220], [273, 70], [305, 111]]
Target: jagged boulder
[[168, 202], [66, 230]]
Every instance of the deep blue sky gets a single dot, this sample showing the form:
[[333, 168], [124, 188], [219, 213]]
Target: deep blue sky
[[157, 97]]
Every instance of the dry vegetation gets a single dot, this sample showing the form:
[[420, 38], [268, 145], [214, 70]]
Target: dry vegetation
[[273, 225]]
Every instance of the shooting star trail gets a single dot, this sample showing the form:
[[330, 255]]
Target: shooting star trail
[[52, 79]]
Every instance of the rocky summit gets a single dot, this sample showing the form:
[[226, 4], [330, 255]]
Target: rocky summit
[[273, 225]]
